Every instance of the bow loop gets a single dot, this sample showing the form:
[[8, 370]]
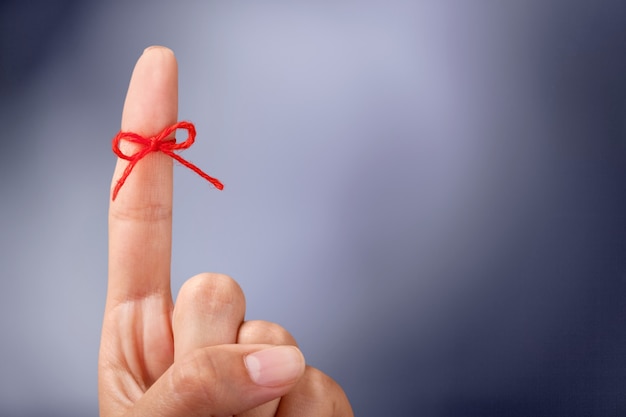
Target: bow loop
[[159, 143]]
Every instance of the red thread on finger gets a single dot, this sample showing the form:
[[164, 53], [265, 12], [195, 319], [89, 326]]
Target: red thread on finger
[[158, 143]]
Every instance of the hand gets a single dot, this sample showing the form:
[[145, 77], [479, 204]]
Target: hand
[[197, 357]]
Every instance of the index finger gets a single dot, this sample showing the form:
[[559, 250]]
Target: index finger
[[140, 218]]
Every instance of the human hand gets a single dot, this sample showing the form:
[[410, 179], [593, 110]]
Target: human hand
[[197, 357]]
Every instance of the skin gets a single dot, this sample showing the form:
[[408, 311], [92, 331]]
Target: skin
[[196, 357]]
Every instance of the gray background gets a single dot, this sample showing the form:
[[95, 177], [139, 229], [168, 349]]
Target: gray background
[[430, 195]]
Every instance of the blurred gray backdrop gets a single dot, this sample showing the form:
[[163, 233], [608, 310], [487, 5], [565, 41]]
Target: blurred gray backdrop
[[431, 195]]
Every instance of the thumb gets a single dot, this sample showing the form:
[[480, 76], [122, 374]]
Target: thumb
[[222, 380]]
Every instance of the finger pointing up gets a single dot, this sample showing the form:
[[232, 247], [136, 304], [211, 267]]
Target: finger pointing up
[[140, 219]]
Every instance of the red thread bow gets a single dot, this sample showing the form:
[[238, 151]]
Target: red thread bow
[[158, 143]]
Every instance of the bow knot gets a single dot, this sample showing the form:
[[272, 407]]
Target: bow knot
[[155, 143], [158, 143]]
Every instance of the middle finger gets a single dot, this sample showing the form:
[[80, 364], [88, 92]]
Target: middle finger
[[208, 312]]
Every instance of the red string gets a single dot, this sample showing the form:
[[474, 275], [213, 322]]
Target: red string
[[158, 143]]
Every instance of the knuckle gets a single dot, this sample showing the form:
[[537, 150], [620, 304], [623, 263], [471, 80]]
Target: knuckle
[[215, 290], [265, 332], [317, 391], [317, 383], [145, 213], [315, 377]]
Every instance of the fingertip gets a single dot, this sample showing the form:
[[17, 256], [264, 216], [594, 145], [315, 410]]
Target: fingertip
[[152, 99]]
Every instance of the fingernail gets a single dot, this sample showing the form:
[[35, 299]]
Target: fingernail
[[149, 48], [275, 366]]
